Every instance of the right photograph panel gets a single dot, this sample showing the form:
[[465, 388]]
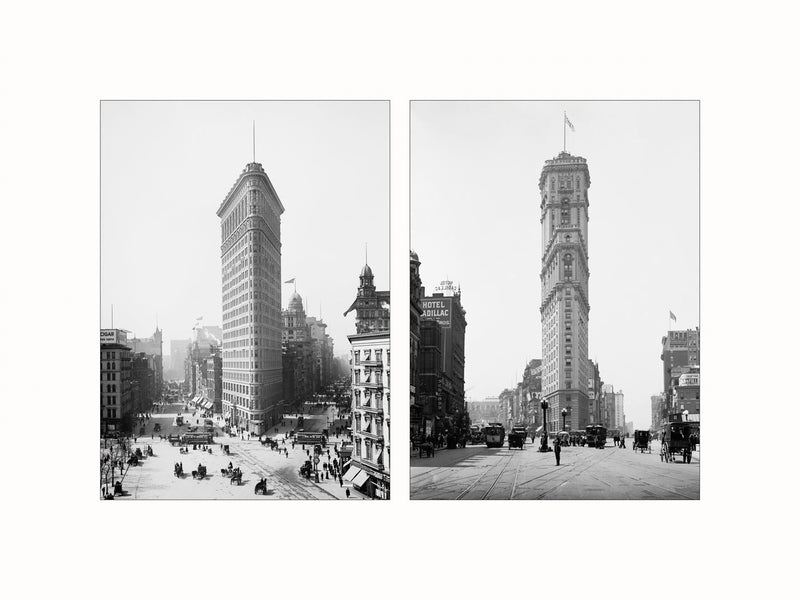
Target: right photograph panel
[[555, 300]]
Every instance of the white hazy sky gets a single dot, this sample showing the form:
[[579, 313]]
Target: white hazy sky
[[475, 170], [167, 167]]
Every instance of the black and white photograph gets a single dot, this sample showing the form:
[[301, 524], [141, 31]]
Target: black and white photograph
[[231, 193], [244, 263], [555, 333]]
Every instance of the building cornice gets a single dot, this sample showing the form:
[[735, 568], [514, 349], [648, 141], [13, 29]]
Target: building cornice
[[252, 170]]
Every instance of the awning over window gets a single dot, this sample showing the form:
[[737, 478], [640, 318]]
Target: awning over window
[[361, 478], [352, 473]]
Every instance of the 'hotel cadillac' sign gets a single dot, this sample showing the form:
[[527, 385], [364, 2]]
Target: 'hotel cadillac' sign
[[437, 309]]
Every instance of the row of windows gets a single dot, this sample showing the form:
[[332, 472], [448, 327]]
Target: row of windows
[[368, 356]]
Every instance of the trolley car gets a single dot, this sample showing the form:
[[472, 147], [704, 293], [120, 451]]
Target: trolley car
[[495, 435], [596, 436], [476, 435]]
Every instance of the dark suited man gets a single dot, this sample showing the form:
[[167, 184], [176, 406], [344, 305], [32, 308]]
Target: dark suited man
[[557, 450]]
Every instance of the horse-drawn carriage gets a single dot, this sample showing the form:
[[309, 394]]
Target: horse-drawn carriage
[[641, 440], [200, 473], [178, 470], [306, 470], [679, 437], [516, 439], [261, 487]]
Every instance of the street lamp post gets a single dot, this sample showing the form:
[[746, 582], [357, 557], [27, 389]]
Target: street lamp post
[[564, 419], [545, 405]]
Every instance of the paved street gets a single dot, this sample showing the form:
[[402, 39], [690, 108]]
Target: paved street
[[481, 473], [154, 477]]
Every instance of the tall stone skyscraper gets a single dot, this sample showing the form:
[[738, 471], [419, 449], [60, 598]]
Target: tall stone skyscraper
[[564, 186], [252, 385]]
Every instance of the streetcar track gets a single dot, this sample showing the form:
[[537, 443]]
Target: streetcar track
[[293, 488], [514, 486], [475, 483], [502, 472]]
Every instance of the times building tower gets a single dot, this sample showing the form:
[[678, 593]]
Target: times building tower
[[252, 369], [564, 187]]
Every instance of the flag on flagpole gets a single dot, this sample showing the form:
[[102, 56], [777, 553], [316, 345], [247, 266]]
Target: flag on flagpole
[[672, 316], [290, 280], [568, 122]]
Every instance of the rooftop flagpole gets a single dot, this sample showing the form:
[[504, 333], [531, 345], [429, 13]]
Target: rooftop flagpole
[[565, 131], [254, 141]]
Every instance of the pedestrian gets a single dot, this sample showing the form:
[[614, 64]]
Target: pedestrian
[[340, 481], [347, 492], [557, 450]]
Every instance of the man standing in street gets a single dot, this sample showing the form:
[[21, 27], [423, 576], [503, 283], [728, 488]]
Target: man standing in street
[[557, 450]]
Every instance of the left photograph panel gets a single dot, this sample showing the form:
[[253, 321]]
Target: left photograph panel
[[244, 281]]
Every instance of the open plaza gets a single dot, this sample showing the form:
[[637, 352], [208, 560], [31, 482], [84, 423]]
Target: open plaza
[[279, 462]]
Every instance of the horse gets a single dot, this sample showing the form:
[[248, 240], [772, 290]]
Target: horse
[[237, 477]]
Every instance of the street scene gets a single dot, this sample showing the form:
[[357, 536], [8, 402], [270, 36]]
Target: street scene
[[585, 473], [516, 393], [279, 389], [280, 461]]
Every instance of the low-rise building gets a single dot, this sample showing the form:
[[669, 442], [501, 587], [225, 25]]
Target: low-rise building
[[116, 405]]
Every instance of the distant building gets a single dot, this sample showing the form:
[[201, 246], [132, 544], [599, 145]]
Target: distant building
[[594, 391], [204, 346], [297, 355], [609, 406], [143, 380], [116, 403], [484, 411], [322, 350], [657, 411], [370, 378], [178, 350], [154, 347], [619, 411]]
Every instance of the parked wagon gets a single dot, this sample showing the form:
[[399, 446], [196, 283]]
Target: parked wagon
[[516, 438], [679, 437], [641, 440]]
